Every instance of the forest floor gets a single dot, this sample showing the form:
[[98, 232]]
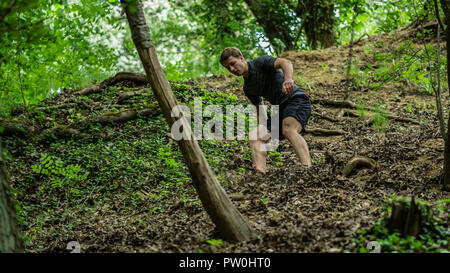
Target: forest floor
[[124, 187]]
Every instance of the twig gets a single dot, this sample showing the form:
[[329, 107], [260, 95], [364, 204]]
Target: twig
[[436, 9], [350, 52], [437, 91], [360, 38]]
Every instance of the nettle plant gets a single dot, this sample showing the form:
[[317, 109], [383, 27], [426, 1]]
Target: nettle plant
[[59, 175]]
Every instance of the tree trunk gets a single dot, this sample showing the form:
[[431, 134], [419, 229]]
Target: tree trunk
[[446, 175], [317, 19], [226, 217], [272, 25], [9, 235], [319, 25], [406, 218]]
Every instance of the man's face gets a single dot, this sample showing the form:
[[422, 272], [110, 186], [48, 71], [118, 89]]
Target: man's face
[[237, 66]]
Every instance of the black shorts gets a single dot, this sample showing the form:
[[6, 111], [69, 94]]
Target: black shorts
[[298, 106]]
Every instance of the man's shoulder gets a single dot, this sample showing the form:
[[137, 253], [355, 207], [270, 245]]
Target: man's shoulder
[[264, 62], [263, 58]]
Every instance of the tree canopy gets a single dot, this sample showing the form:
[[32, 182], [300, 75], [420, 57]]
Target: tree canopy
[[49, 45]]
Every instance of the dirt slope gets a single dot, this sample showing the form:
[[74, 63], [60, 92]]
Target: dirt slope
[[292, 209]]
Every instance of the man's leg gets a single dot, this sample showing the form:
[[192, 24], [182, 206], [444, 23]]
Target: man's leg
[[290, 129], [256, 141]]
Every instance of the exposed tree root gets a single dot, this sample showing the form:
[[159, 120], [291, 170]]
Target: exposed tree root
[[120, 116], [347, 112], [10, 128], [358, 162], [324, 132], [326, 117], [89, 90], [352, 113], [397, 118], [15, 129], [121, 76], [371, 120], [61, 131], [125, 76], [329, 102], [127, 95], [59, 106]]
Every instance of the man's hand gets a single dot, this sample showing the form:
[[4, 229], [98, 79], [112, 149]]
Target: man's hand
[[288, 87]]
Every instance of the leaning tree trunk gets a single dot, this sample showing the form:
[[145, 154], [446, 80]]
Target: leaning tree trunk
[[231, 224], [9, 236]]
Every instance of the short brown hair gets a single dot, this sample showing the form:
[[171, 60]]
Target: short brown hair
[[230, 51]]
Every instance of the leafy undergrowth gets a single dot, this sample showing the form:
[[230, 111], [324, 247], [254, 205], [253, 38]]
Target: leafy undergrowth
[[124, 187], [433, 237]]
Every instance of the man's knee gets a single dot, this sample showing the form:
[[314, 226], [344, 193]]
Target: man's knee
[[291, 128], [289, 133]]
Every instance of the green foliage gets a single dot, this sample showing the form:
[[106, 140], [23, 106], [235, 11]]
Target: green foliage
[[201, 30], [360, 109], [376, 17], [58, 45], [302, 83], [79, 42], [59, 175], [434, 237], [380, 118], [215, 242], [360, 78], [407, 66]]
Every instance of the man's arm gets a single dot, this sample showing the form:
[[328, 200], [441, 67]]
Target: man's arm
[[288, 70]]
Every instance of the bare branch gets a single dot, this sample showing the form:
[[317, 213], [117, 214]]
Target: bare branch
[[436, 9], [437, 90]]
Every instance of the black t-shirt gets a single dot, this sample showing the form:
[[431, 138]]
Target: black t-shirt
[[267, 82]]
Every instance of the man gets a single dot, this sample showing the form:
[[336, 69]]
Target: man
[[271, 78]]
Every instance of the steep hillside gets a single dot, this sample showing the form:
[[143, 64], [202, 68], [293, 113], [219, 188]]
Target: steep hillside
[[97, 165]]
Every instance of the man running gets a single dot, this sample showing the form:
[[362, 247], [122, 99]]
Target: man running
[[271, 78]]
